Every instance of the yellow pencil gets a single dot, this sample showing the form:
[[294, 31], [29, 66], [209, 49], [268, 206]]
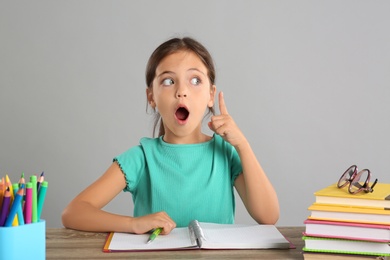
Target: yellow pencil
[[9, 184]]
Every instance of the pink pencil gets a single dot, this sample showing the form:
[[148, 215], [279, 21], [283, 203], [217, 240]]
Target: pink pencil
[[28, 204]]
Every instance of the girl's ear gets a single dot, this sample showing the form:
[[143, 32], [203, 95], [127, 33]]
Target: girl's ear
[[149, 96], [213, 90]]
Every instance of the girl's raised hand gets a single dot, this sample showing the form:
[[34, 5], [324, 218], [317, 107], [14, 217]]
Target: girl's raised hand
[[225, 126]]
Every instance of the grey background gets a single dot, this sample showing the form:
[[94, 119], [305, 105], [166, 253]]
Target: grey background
[[307, 82]]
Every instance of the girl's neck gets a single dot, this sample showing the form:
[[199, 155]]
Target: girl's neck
[[189, 139]]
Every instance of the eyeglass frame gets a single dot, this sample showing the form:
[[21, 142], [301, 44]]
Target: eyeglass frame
[[352, 176]]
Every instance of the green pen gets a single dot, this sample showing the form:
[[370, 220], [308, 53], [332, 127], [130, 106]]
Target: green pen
[[34, 215], [155, 233]]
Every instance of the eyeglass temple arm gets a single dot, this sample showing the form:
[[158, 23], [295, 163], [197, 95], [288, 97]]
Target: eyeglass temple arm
[[373, 185]]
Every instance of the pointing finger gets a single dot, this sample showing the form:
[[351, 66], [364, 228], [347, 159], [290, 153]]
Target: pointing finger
[[222, 106]]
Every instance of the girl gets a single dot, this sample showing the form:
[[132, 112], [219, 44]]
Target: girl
[[183, 174]]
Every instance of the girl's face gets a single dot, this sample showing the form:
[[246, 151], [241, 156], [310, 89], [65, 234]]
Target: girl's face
[[182, 92]]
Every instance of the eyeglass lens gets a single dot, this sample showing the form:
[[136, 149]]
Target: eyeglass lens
[[347, 176], [360, 181]]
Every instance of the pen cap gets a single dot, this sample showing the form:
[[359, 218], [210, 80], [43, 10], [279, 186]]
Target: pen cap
[[28, 185], [15, 187]]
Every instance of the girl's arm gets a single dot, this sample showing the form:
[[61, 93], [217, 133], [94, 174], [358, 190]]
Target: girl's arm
[[253, 186], [85, 211], [255, 190]]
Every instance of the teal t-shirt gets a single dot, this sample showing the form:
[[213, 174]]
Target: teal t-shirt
[[188, 181]]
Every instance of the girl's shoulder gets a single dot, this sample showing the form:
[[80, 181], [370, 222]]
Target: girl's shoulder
[[150, 141], [138, 150]]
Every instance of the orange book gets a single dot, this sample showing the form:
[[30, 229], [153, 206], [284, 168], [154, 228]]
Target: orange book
[[380, 198]]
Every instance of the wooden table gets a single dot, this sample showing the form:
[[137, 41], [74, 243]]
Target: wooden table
[[64, 243]]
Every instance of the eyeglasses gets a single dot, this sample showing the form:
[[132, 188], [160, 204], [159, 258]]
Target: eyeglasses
[[358, 181]]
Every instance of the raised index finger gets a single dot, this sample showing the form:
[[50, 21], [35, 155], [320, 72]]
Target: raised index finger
[[222, 106]]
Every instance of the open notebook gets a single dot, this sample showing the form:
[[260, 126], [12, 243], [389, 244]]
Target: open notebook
[[202, 236]]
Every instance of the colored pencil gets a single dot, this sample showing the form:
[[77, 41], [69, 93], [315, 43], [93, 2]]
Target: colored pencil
[[14, 208], [15, 188], [22, 180], [22, 203], [19, 213], [5, 207], [9, 184], [2, 191], [40, 180]]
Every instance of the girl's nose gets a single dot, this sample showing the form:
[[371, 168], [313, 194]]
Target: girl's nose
[[181, 92], [180, 95]]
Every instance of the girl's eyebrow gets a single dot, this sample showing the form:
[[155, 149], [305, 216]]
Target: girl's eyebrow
[[171, 72], [197, 70], [165, 72]]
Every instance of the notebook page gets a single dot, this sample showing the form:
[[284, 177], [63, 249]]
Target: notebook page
[[178, 238], [242, 236]]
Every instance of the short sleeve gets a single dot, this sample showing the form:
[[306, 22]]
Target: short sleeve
[[231, 156], [235, 164], [132, 163]]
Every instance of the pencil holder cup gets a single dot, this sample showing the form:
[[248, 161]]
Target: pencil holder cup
[[23, 242]]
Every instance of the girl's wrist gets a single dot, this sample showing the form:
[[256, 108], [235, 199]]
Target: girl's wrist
[[243, 145], [129, 224]]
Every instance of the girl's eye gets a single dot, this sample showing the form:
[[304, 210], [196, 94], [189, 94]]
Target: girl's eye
[[167, 82], [195, 81]]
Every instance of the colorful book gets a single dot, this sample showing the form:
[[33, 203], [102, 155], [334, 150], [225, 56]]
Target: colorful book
[[380, 198], [347, 230], [206, 236], [349, 214], [343, 246]]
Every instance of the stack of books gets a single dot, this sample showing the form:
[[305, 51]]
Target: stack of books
[[346, 226]]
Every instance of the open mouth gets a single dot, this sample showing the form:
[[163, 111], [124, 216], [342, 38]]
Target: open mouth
[[182, 113]]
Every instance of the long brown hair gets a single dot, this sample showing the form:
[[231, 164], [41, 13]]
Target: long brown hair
[[171, 46]]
